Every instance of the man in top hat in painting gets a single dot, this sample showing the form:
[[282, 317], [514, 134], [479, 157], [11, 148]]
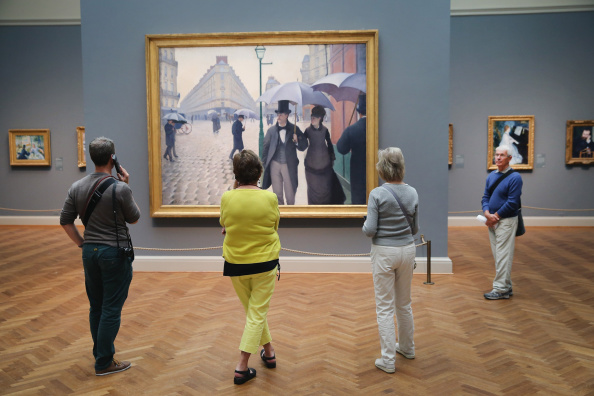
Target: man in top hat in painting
[[280, 156], [354, 139]]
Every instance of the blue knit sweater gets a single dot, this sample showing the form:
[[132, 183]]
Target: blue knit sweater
[[505, 200]]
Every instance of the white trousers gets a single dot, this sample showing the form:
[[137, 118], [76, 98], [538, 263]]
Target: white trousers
[[281, 179], [503, 242], [392, 269]]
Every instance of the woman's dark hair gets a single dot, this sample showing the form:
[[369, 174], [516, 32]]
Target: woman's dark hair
[[319, 112], [247, 167], [101, 150]]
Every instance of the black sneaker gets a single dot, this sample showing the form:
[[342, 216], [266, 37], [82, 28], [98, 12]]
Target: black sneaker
[[495, 295]]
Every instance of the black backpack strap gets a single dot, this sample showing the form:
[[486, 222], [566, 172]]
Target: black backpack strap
[[401, 207], [494, 186], [95, 197]]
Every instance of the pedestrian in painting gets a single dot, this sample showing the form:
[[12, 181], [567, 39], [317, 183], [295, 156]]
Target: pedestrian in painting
[[216, 124], [169, 140], [237, 131], [280, 156], [323, 186], [354, 140]]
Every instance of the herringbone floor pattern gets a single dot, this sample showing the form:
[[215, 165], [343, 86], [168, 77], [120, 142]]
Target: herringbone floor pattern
[[181, 330]]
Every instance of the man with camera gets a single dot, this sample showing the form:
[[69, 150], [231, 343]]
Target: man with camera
[[105, 206]]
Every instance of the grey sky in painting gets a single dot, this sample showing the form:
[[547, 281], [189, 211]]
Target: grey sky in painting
[[194, 62]]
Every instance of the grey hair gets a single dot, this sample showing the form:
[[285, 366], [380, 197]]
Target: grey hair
[[390, 165], [100, 150], [506, 148]]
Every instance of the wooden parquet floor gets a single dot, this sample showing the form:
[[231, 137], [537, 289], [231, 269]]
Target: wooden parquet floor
[[181, 331]]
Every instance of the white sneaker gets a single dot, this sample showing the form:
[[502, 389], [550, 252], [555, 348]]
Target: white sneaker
[[406, 355], [379, 363]]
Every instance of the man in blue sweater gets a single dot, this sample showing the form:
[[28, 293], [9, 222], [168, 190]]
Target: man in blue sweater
[[501, 207]]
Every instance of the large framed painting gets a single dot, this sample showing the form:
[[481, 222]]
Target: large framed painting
[[516, 132], [200, 85], [80, 143], [29, 147], [579, 146]]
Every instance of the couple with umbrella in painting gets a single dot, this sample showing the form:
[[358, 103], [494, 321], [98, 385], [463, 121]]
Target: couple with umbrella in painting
[[283, 139]]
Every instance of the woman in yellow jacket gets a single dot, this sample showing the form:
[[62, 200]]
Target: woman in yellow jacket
[[250, 217]]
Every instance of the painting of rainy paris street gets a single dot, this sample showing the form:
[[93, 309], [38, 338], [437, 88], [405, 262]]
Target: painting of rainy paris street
[[205, 90]]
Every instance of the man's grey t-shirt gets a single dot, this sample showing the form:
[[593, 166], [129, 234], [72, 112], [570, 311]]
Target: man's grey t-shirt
[[386, 223], [101, 226]]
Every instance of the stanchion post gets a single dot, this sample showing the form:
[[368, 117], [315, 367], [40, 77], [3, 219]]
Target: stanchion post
[[428, 264]]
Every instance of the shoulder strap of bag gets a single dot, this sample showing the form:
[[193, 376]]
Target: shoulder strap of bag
[[401, 207], [494, 186], [95, 196]]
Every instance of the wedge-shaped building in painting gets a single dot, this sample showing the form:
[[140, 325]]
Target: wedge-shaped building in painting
[[219, 89]]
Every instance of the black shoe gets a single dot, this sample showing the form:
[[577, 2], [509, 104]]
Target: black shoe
[[495, 295], [266, 359], [175, 155], [247, 375], [510, 292]]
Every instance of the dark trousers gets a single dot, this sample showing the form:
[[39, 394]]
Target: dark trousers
[[107, 280], [236, 147]]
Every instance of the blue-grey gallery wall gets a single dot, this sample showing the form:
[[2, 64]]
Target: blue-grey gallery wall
[[41, 85], [500, 65], [537, 65], [413, 91]]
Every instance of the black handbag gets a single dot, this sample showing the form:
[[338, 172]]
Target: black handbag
[[521, 229]]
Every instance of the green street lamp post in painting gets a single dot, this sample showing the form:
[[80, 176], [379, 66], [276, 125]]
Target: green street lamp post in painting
[[260, 51]]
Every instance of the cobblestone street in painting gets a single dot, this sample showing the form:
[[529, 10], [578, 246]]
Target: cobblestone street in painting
[[203, 172]]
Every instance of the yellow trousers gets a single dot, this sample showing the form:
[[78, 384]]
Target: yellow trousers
[[254, 292]]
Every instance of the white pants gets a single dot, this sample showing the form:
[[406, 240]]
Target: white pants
[[503, 242], [392, 269]]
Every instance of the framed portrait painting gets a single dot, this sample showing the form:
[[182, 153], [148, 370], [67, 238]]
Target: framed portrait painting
[[80, 143], [515, 132], [211, 95], [579, 146], [29, 147]]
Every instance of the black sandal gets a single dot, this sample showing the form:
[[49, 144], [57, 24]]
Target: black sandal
[[265, 359], [247, 375]]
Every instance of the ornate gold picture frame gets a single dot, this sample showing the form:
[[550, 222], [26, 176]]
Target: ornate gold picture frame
[[30, 147], [197, 80], [80, 140], [517, 132], [579, 146]]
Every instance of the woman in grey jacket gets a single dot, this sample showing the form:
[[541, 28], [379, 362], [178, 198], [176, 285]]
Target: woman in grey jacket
[[391, 225]]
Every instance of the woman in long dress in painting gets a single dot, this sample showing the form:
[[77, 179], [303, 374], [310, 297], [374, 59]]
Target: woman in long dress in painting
[[507, 140], [323, 186]]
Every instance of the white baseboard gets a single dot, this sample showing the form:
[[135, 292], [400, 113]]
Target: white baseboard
[[439, 265], [529, 221], [33, 220]]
